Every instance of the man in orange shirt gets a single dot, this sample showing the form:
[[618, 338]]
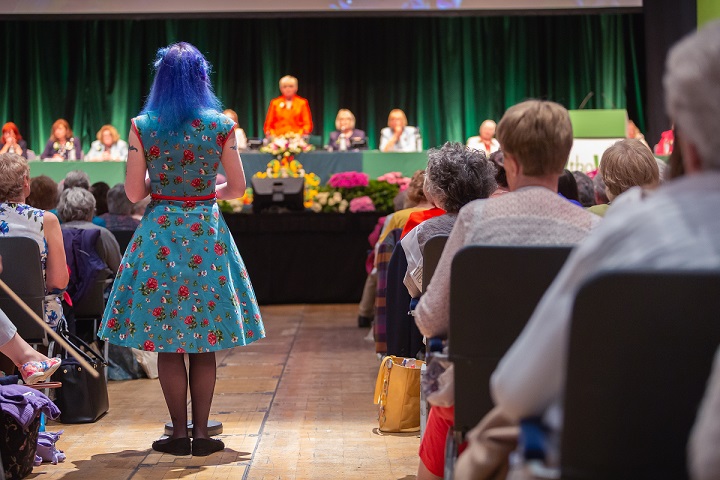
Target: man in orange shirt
[[288, 113]]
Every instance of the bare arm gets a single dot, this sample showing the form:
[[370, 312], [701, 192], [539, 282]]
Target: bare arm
[[235, 185], [137, 186], [56, 272]]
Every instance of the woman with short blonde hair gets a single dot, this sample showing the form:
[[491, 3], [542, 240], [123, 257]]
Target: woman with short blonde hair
[[346, 136], [398, 136], [108, 146]]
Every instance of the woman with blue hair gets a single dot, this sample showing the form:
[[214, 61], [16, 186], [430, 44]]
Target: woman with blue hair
[[182, 286]]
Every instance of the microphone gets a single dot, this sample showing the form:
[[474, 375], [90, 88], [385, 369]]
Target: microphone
[[585, 100]]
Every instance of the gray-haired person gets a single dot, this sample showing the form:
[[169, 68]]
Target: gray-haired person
[[76, 209], [119, 216], [455, 175]]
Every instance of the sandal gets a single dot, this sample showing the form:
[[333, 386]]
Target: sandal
[[35, 372]]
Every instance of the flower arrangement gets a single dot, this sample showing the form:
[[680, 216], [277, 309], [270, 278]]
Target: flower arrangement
[[348, 180], [396, 178], [283, 168], [236, 205], [287, 146], [362, 204], [329, 202]]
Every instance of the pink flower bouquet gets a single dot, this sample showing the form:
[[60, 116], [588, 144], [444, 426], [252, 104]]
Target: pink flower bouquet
[[395, 178], [362, 204], [348, 180]]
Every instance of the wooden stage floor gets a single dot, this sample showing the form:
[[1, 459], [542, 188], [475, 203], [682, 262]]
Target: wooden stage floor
[[296, 405]]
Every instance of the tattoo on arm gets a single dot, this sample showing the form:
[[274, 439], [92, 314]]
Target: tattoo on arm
[[133, 148]]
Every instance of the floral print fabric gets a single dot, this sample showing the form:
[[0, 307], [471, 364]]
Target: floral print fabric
[[182, 285]]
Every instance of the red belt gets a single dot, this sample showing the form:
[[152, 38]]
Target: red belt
[[156, 196]]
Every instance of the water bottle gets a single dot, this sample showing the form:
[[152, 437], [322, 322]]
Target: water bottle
[[343, 143], [418, 141]]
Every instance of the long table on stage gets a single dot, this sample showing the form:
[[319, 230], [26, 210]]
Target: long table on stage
[[304, 257], [321, 163]]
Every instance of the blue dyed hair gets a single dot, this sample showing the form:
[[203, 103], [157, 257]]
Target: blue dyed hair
[[182, 85]]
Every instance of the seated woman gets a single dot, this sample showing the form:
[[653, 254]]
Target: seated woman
[[397, 136], [76, 209], [240, 136], [455, 175], [34, 367], [62, 145], [288, 113], [17, 219], [108, 146], [43, 193], [119, 216], [345, 132], [12, 141]]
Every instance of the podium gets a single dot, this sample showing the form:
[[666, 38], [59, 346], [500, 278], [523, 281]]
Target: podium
[[594, 131]]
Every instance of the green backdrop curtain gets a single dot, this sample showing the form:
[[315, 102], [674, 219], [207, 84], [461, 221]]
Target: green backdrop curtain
[[448, 74]]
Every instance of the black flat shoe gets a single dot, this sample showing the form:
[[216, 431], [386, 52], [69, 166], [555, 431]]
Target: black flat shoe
[[364, 322], [173, 446], [202, 447]]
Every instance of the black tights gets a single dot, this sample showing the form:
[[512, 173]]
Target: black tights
[[174, 383]]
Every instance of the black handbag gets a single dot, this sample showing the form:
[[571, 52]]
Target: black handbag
[[82, 397]]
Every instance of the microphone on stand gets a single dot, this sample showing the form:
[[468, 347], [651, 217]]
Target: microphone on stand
[[585, 100]]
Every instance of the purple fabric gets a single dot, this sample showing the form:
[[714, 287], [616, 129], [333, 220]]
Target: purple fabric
[[24, 403], [114, 221]]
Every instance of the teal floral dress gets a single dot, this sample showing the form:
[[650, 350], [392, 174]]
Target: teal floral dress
[[182, 285]]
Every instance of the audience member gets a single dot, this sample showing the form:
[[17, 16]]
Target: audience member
[[108, 146], [454, 176], [80, 179], [346, 136], [62, 145], [586, 189], [677, 228], [703, 454], [288, 113], [416, 196], [536, 137], [138, 209], [100, 191], [567, 188], [12, 141], [240, 136], [18, 219], [398, 136], [497, 159], [486, 141], [119, 215], [43, 193], [626, 164], [76, 208], [599, 189]]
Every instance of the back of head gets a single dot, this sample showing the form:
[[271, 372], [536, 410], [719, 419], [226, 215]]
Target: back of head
[[77, 178], [76, 204], [692, 91], [117, 201], [13, 170], [628, 163], [181, 86], [43, 193], [538, 134], [456, 175], [497, 158], [567, 186], [100, 192], [600, 190], [586, 194], [415, 193]]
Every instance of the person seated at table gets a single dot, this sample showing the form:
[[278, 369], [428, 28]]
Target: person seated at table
[[626, 164], [486, 141], [76, 209], [62, 145], [398, 136], [288, 113], [12, 141], [119, 215], [18, 219], [345, 131], [43, 193], [240, 136], [108, 146]]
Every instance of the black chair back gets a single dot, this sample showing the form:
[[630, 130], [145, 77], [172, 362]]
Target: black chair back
[[431, 257], [640, 353], [22, 272], [123, 238], [493, 292]]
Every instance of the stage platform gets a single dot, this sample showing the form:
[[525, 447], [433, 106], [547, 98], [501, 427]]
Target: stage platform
[[321, 163]]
